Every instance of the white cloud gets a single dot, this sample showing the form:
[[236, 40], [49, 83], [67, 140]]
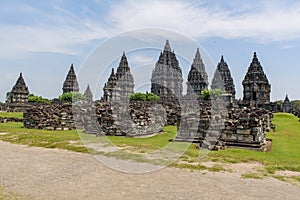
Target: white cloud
[[140, 59], [270, 23], [58, 34]]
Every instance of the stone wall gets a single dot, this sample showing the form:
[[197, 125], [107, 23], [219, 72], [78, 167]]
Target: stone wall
[[128, 119], [50, 117], [213, 124]]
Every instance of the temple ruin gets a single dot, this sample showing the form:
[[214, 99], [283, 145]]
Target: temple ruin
[[215, 123], [17, 99], [256, 86], [287, 105], [197, 77], [120, 85], [222, 79], [71, 83]]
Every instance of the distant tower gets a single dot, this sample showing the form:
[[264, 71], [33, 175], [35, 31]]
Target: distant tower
[[71, 83], [256, 85], [109, 87], [222, 79], [166, 80], [125, 82], [120, 85], [88, 94], [19, 92], [287, 105], [197, 77]]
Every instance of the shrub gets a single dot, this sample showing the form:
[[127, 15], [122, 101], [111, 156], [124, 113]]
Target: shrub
[[213, 93], [72, 97], [143, 97], [38, 99]]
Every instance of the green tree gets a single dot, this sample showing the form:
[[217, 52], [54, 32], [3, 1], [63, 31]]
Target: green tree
[[213, 93], [38, 99], [72, 97], [143, 97]]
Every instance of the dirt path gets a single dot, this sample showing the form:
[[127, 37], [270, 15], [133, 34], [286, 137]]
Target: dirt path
[[58, 174]]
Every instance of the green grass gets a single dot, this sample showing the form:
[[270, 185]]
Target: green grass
[[11, 114], [151, 143], [68, 140]]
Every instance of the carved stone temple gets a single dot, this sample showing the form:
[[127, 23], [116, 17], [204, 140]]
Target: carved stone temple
[[222, 79], [71, 83], [88, 94], [166, 80], [256, 85], [287, 105], [19, 92], [197, 78], [18, 97], [120, 85]]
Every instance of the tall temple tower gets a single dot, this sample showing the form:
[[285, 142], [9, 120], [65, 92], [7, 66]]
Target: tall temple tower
[[19, 92], [287, 105], [197, 77], [120, 85], [222, 78], [71, 83], [88, 94], [109, 87], [256, 85], [125, 82], [166, 80]]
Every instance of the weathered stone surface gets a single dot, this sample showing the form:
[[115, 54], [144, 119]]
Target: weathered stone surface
[[50, 117], [256, 85], [287, 105], [71, 83], [222, 78], [88, 94], [120, 85], [197, 77], [166, 82], [217, 124], [17, 100]]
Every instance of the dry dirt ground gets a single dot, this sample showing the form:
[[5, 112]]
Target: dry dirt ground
[[38, 173]]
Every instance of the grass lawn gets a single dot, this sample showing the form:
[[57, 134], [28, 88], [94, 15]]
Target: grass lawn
[[285, 154], [11, 114], [15, 133]]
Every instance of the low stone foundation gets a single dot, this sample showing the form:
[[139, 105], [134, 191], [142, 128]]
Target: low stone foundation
[[126, 119], [50, 117], [219, 125]]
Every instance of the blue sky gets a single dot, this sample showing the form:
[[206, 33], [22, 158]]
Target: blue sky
[[42, 38]]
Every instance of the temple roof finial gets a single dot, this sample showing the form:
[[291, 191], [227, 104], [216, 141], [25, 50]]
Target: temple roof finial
[[167, 46], [222, 59]]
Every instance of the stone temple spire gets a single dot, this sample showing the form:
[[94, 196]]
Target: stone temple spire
[[88, 94], [287, 105], [120, 85], [71, 83], [197, 77], [125, 82], [167, 46], [166, 80], [109, 87], [256, 85], [222, 78], [19, 92]]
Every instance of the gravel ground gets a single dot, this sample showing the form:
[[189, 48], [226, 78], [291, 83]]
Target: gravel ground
[[39, 173]]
